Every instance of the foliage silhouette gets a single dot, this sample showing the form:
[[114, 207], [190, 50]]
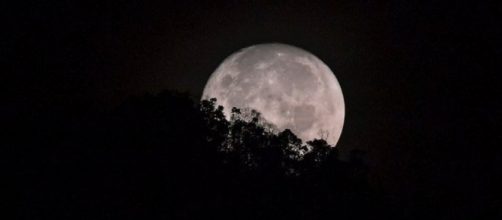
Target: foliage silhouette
[[247, 139]]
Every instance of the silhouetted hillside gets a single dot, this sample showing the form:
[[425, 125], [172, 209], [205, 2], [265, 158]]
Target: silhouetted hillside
[[164, 156]]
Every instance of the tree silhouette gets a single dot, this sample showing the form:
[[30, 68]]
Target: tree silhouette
[[248, 141]]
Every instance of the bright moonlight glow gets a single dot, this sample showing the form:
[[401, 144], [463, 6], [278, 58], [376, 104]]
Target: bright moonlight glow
[[291, 88]]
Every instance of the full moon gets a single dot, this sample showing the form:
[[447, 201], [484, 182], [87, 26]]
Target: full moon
[[290, 87]]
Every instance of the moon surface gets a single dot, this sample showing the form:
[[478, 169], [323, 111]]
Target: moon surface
[[292, 88]]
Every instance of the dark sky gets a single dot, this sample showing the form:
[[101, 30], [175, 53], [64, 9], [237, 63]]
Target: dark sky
[[414, 75]]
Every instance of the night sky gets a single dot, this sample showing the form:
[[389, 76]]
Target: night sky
[[417, 77]]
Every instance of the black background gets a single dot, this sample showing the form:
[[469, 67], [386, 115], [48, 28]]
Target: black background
[[419, 79]]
